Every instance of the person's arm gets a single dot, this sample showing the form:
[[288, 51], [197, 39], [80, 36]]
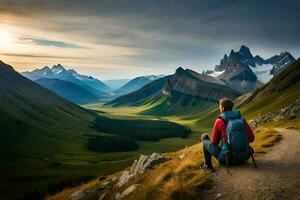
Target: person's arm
[[215, 137], [251, 136]]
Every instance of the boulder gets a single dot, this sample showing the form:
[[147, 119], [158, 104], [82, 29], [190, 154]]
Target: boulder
[[124, 178], [129, 190], [78, 195], [139, 166]]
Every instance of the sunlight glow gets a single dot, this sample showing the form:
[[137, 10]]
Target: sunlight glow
[[5, 38]]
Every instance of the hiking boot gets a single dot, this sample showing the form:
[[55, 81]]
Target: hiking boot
[[207, 168]]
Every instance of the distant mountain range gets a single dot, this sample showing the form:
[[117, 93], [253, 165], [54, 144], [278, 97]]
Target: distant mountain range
[[72, 91], [83, 89], [243, 71], [116, 83], [185, 92], [69, 84], [136, 84], [59, 72]]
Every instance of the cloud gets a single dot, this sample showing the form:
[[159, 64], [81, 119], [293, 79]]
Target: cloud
[[41, 56], [50, 43], [154, 34]]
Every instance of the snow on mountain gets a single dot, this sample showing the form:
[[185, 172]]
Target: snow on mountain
[[263, 69], [59, 72], [213, 73], [263, 72]]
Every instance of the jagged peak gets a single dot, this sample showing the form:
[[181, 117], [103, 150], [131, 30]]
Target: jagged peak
[[46, 68], [244, 48], [179, 70], [57, 66], [285, 53]]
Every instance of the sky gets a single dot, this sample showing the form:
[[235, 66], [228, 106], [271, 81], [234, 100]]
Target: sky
[[122, 39]]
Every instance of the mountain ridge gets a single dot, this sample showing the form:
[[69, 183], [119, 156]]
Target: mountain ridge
[[184, 91], [59, 72], [72, 91], [264, 69], [135, 84]]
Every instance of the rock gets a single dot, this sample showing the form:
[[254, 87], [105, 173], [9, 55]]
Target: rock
[[124, 178], [139, 166], [78, 195], [289, 112], [219, 196], [102, 196], [152, 160], [104, 184], [129, 190], [182, 156], [117, 196]]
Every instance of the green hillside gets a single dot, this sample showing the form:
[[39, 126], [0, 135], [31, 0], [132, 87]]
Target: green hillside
[[185, 93]]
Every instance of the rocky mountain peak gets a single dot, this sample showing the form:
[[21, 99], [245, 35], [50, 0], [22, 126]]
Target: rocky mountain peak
[[245, 51], [58, 66], [56, 69], [179, 70]]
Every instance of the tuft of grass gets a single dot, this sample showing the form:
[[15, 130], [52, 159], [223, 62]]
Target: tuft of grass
[[265, 137]]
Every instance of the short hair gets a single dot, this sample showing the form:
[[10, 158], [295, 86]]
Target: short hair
[[226, 103]]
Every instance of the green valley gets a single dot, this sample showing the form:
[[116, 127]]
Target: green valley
[[45, 139]]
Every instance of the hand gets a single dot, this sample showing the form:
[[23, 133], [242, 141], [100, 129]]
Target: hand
[[204, 136]]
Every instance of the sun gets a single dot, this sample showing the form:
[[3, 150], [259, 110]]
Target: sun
[[5, 38]]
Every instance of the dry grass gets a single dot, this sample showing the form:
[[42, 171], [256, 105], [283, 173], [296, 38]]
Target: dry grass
[[265, 137], [177, 178], [67, 192]]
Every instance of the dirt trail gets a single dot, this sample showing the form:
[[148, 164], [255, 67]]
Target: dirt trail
[[277, 175]]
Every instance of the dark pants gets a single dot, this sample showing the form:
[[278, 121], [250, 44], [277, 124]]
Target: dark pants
[[210, 149]]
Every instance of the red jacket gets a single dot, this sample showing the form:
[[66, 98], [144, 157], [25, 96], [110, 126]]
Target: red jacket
[[219, 131]]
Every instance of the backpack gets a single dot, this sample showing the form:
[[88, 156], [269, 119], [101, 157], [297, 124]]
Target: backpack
[[237, 137]]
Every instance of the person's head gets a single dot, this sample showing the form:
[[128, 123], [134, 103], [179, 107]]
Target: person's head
[[225, 104]]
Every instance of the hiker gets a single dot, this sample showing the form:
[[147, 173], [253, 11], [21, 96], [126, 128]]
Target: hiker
[[236, 146]]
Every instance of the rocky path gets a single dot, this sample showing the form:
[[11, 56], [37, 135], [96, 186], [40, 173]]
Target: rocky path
[[277, 175]]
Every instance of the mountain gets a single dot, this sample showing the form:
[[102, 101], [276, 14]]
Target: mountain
[[289, 77], [116, 83], [136, 84], [59, 72], [71, 91], [91, 82], [185, 92], [238, 74], [280, 62], [264, 69]]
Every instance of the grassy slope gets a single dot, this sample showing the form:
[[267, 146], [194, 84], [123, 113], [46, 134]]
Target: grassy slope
[[189, 93]]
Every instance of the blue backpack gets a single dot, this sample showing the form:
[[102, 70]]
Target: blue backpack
[[237, 144]]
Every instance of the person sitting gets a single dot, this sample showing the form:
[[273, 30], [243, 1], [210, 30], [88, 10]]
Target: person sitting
[[235, 135]]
